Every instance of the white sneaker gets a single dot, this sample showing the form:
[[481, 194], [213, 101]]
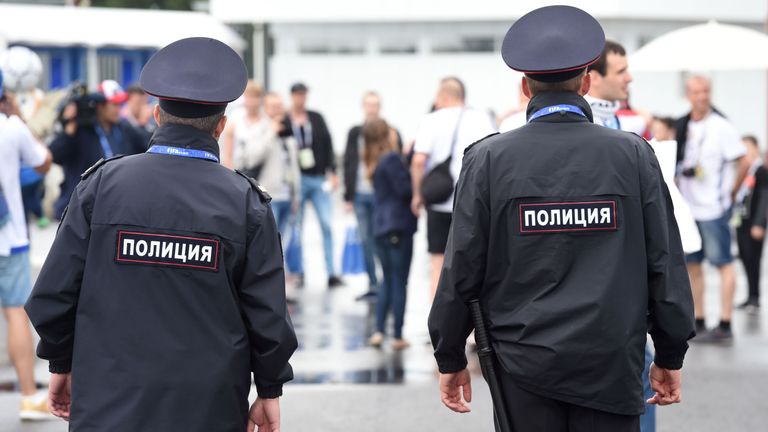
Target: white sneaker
[[34, 408]]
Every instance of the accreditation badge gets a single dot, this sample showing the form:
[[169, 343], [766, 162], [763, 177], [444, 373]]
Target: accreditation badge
[[306, 158]]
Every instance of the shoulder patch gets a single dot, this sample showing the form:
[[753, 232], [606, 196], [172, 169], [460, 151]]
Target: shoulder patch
[[98, 165], [263, 194], [481, 139]]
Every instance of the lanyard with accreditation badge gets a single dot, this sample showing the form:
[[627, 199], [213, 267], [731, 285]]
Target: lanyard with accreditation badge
[[183, 152], [553, 109]]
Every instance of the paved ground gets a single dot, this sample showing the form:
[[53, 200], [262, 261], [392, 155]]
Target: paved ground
[[343, 385]]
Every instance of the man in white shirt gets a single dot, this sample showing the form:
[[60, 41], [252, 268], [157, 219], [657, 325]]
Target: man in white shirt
[[17, 146], [451, 126], [712, 168]]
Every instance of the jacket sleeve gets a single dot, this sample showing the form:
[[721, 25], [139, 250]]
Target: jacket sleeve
[[53, 303], [263, 305], [325, 135], [464, 267], [63, 148], [351, 161], [670, 304]]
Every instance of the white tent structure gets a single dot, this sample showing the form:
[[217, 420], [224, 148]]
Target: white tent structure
[[704, 47], [95, 28], [98, 27]]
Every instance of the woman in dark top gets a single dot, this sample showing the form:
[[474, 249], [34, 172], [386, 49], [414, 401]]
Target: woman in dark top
[[752, 204], [394, 225]]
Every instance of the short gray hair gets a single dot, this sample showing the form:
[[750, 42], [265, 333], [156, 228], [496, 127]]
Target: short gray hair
[[206, 124]]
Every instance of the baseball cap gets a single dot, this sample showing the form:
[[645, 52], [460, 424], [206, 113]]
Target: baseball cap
[[113, 92]]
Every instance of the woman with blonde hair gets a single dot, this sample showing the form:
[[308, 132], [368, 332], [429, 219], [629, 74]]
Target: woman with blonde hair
[[394, 225]]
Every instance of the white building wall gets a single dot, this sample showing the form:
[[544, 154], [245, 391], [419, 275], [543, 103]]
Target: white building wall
[[407, 82]]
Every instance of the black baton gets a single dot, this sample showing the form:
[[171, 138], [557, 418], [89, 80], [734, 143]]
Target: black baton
[[485, 352]]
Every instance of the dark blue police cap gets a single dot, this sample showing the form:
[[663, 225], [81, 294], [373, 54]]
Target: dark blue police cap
[[553, 43], [195, 77]]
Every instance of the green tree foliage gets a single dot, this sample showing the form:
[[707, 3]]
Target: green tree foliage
[[145, 4]]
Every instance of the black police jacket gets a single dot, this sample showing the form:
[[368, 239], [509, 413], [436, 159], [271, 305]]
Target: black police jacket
[[163, 291], [565, 232]]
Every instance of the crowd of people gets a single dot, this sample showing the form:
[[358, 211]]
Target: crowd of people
[[721, 178]]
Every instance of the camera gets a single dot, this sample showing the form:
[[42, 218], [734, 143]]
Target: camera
[[689, 172], [85, 102]]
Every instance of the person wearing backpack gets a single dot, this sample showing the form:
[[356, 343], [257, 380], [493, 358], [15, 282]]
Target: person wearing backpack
[[442, 137]]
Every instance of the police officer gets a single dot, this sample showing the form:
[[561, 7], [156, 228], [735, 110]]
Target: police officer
[[164, 289], [564, 231]]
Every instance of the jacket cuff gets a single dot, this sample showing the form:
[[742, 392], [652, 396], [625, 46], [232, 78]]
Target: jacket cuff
[[60, 366], [671, 360], [270, 392], [451, 364]]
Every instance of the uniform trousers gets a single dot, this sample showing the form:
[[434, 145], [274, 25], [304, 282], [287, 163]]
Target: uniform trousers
[[751, 253], [533, 413]]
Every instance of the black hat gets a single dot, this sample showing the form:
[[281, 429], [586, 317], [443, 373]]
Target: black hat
[[195, 77], [553, 43], [299, 87]]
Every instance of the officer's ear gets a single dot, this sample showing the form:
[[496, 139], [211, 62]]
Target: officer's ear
[[220, 127], [526, 88], [586, 83], [156, 114]]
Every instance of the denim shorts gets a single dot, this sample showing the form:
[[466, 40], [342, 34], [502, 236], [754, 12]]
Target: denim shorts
[[15, 279], [715, 242]]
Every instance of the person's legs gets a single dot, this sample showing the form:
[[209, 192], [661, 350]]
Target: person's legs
[[308, 186], [581, 419], [15, 287], [751, 254], [383, 249], [282, 212], [321, 201], [696, 274], [438, 228], [402, 253], [716, 237], [21, 348], [727, 291], [753, 273], [648, 420], [719, 254], [364, 215], [529, 412]]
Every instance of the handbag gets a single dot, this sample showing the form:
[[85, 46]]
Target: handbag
[[437, 186], [353, 258]]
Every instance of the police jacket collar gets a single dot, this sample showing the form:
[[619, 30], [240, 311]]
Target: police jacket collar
[[175, 135], [546, 99]]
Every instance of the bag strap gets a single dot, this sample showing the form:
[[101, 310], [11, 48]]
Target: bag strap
[[455, 136]]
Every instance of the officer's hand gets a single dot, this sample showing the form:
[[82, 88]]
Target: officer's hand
[[452, 387], [757, 233], [264, 415], [60, 395], [667, 384]]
